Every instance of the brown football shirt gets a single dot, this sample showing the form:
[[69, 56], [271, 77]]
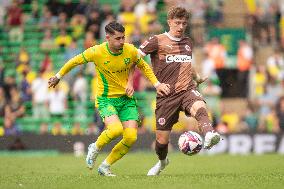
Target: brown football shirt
[[171, 60]]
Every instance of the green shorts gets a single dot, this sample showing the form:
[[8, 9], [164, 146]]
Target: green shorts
[[125, 107]]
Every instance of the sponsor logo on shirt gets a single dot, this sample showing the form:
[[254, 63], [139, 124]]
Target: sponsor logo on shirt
[[178, 58]]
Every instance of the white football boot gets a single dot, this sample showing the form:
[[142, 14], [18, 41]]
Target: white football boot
[[92, 155], [156, 170], [104, 170], [211, 139]]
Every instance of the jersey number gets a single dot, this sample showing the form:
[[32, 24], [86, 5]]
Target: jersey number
[[196, 93]]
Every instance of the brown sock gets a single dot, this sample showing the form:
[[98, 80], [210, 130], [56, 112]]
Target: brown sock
[[161, 150], [204, 123]]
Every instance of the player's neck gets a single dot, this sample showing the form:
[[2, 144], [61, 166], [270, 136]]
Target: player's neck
[[112, 50], [173, 37]]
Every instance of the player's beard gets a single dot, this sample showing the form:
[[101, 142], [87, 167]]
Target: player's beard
[[120, 48]]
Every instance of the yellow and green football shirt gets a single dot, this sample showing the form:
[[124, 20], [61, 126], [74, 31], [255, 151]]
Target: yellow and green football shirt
[[112, 69]]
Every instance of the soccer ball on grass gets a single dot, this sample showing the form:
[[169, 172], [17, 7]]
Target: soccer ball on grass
[[190, 143]]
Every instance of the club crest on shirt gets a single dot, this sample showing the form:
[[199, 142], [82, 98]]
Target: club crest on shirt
[[161, 121], [126, 61], [187, 48]]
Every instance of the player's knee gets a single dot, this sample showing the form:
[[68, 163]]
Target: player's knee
[[197, 106], [116, 129], [130, 136], [201, 113]]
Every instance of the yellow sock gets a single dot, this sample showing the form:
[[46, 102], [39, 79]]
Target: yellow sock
[[113, 131], [129, 138]]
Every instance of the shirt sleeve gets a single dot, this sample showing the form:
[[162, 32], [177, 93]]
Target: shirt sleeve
[[147, 71], [85, 57], [149, 46]]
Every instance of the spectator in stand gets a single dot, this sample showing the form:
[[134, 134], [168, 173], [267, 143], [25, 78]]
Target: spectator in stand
[[80, 88], [71, 52], [9, 82], [89, 40], [57, 129], [93, 5], [269, 123], [259, 79], [76, 129], [128, 19], [251, 118], [77, 24], [2, 15], [231, 118], [108, 18], [208, 68], [3, 102], [280, 113], [35, 13], [10, 128], [274, 88], [25, 88], [63, 40], [43, 130], [81, 8], [46, 63], [40, 97], [217, 53], [22, 60], [93, 23], [2, 72], [13, 109], [275, 64], [62, 21], [92, 129], [79, 93], [57, 102], [15, 22], [47, 44], [47, 21], [244, 62]]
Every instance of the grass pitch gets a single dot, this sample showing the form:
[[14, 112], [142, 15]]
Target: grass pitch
[[220, 171]]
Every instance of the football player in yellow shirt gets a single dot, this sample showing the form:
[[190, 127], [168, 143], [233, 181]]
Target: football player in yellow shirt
[[114, 60]]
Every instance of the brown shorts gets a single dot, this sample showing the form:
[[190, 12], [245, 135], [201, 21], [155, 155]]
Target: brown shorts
[[168, 108]]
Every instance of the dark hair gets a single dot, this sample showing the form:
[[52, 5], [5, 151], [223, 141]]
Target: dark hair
[[178, 12], [114, 26]]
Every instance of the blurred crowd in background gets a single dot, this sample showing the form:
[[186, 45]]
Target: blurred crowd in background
[[38, 37]]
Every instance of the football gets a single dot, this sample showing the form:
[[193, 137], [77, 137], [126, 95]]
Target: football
[[190, 143]]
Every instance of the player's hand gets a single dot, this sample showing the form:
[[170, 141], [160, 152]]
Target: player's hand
[[163, 89], [129, 89], [200, 80], [53, 81]]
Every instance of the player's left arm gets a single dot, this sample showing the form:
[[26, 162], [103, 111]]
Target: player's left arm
[[161, 88], [197, 78], [84, 57]]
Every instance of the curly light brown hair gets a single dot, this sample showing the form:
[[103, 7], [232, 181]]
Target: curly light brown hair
[[178, 12]]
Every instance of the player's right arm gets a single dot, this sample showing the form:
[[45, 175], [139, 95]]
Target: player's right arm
[[151, 46], [84, 57]]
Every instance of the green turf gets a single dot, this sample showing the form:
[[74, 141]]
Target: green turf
[[221, 171]]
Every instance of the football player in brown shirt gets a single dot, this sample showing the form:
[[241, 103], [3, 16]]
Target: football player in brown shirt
[[171, 57]]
